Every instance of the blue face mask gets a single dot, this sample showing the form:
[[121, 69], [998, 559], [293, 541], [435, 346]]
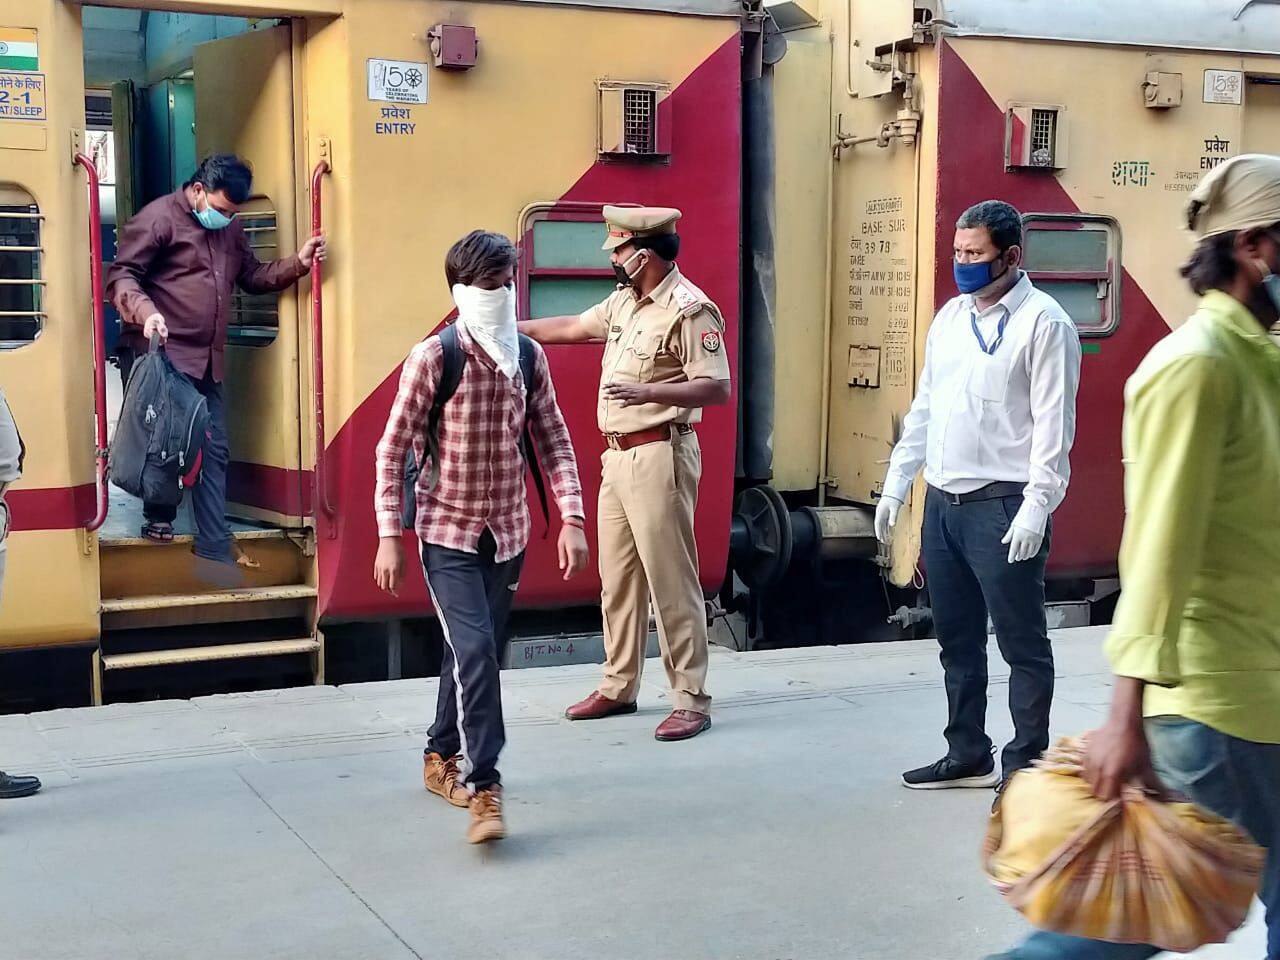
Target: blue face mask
[[212, 219], [972, 277]]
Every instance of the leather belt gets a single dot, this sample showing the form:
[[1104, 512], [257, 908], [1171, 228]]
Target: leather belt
[[992, 491], [628, 441]]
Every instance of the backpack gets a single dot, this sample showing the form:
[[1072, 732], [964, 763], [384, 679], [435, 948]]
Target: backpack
[[157, 448], [450, 376]]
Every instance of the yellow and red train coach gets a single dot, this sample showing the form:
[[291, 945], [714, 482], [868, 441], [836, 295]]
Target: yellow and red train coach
[[398, 126]]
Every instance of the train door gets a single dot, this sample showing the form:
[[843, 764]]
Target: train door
[[245, 105], [1262, 115], [206, 84]]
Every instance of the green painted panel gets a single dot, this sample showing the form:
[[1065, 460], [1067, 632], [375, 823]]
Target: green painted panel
[[183, 118], [565, 243], [1079, 298], [563, 296], [1066, 251]]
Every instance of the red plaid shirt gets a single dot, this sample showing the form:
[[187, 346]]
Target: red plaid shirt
[[482, 469]]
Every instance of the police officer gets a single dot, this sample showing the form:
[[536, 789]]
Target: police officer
[[664, 360]]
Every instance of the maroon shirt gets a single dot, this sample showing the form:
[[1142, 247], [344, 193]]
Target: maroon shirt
[[167, 263]]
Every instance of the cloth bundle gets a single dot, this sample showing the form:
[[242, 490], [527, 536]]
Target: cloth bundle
[[1133, 870]]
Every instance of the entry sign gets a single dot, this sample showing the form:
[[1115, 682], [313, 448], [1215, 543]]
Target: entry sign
[[398, 81], [21, 96]]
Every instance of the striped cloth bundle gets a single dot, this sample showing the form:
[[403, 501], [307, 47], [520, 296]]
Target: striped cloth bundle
[[1133, 870]]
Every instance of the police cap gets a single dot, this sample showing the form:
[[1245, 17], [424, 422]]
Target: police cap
[[631, 223]]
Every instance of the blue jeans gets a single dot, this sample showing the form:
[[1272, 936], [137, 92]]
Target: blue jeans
[[1236, 779], [209, 495], [970, 576]]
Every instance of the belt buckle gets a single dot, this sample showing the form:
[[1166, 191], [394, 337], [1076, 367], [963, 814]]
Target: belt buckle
[[611, 441], [955, 499]]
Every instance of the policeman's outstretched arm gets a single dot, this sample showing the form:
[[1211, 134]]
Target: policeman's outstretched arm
[[557, 330]]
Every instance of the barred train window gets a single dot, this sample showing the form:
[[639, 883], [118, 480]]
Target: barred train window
[[255, 318], [21, 285], [1076, 260], [565, 271]]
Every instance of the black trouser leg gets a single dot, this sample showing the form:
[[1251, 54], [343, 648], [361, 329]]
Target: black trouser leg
[[960, 619], [1014, 593], [472, 595]]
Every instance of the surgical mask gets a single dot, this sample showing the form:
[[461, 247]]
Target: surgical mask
[[620, 270], [489, 317], [972, 277], [212, 219], [1270, 283]]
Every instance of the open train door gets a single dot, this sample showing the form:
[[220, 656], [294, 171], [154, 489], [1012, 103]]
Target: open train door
[[245, 105]]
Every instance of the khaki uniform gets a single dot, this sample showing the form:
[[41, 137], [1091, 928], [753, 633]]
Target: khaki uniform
[[648, 493]]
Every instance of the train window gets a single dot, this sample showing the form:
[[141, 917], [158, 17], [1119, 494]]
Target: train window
[[564, 269], [255, 318], [1076, 260], [21, 286]]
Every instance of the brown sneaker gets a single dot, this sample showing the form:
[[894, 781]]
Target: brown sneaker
[[486, 816], [597, 707], [440, 776], [682, 725]]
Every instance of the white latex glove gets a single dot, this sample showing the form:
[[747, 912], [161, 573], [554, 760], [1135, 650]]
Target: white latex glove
[[886, 518], [1023, 543]]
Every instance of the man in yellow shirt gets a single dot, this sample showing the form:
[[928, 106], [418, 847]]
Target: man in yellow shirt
[[1196, 641]]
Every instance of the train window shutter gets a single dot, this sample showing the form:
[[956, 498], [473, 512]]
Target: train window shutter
[[1076, 260], [255, 317], [1035, 136], [631, 125], [22, 306]]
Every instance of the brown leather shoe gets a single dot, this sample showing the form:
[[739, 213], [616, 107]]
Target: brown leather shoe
[[597, 707], [440, 776], [486, 816], [682, 725]]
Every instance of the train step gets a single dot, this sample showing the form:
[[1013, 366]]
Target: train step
[[216, 606], [134, 567], [104, 663]]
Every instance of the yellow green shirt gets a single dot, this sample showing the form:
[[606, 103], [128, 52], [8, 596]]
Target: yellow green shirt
[[1199, 616]]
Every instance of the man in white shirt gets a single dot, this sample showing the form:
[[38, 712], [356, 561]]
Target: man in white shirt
[[11, 456], [992, 424]]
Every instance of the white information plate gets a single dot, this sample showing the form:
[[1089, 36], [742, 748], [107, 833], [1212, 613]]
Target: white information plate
[[1223, 86], [398, 81]]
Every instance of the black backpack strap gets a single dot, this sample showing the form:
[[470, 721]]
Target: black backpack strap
[[528, 370], [452, 362]]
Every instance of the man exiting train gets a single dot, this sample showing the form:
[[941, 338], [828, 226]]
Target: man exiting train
[[177, 264], [664, 360], [992, 424]]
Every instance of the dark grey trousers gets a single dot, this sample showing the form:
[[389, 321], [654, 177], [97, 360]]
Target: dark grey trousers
[[472, 595]]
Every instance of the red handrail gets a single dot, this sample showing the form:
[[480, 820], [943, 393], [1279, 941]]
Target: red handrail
[[99, 355], [317, 333]]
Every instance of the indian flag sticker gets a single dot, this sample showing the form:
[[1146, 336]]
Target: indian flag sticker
[[18, 49]]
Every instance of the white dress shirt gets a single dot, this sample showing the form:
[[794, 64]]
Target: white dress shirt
[[1010, 415]]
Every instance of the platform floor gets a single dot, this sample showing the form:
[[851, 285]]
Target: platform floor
[[293, 824]]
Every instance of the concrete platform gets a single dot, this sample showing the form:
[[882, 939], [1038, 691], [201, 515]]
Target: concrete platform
[[293, 824]]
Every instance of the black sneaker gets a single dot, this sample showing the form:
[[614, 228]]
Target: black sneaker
[[948, 774]]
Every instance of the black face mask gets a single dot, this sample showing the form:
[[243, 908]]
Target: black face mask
[[620, 271]]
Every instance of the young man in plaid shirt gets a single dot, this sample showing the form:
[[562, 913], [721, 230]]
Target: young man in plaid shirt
[[474, 524]]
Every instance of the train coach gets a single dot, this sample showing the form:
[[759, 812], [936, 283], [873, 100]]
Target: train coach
[[819, 149]]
